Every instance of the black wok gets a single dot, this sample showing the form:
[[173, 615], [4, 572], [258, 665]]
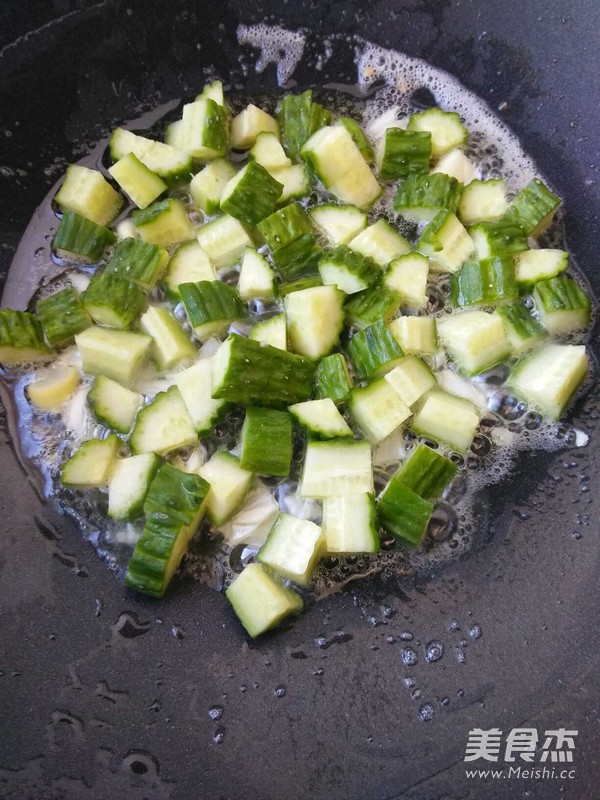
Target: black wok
[[107, 695]]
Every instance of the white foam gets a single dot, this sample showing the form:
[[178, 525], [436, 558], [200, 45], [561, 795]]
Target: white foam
[[277, 46]]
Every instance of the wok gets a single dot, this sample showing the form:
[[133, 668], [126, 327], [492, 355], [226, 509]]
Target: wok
[[108, 695]]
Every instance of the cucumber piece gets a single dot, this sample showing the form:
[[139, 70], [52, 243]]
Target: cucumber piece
[[260, 601], [533, 209], [92, 464], [377, 302], [113, 405], [251, 195], [482, 201], [140, 262], [268, 151], [501, 238], [285, 226], [167, 162], [272, 331], [358, 137], [402, 153], [426, 472], [522, 330], [457, 165], [532, 266], [445, 127], [211, 306], [224, 240], [139, 183], [62, 316], [407, 276], [550, 376], [377, 409], [188, 264], [420, 197], [206, 187], [79, 239], [229, 485], [349, 271], [113, 301], [195, 386], [248, 124], [417, 335], [446, 242], [562, 305], [411, 378], [164, 223], [315, 318], [488, 282], [129, 485], [403, 513], [332, 379], [299, 118], [321, 419], [303, 283], [174, 507], [171, 344], [246, 372], [51, 391], [266, 442], [350, 524], [213, 91], [116, 354], [448, 419], [163, 425], [21, 338], [358, 187], [337, 467], [380, 242], [293, 548], [374, 351], [295, 181], [339, 224], [474, 339], [203, 131], [86, 192], [257, 279], [331, 152], [299, 259]]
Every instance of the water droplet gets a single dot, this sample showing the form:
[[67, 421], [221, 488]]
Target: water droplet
[[415, 694], [434, 651], [454, 625], [406, 636], [445, 701], [215, 713], [426, 712], [219, 736], [409, 656], [129, 626], [178, 632], [280, 691], [409, 682], [319, 672], [443, 523], [322, 642], [475, 631]]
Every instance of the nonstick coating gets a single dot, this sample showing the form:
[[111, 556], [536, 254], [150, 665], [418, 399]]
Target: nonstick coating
[[107, 695]]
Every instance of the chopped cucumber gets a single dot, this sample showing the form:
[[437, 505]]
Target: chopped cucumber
[[169, 163], [62, 316], [224, 240], [339, 224], [268, 151], [53, 389], [358, 137], [407, 276], [211, 306], [170, 343], [189, 264], [446, 242], [213, 91], [321, 419], [113, 405], [163, 425], [139, 183], [533, 209], [475, 340], [501, 238], [299, 118], [92, 465], [445, 127], [293, 548], [203, 130], [336, 467], [421, 197], [482, 201], [403, 513], [411, 378], [164, 223], [522, 330], [416, 335], [116, 354], [266, 442], [285, 226], [377, 409], [332, 153], [249, 124], [260, 601], [488, 282], [195, 386], [532, 266], [562, 305], [332, 379], [206, 187], [350, 524], [229, 485], [129, 485], [295, 182], [257, 278], [251, 195], [426, 472], [79, 239], [402, 153], [87, 192], [315, 318], [349, 271], [140, 262], [358, 187], [272, 331], [380, 242], [448, 419], [376, 302], [374, 351], [113, 301]]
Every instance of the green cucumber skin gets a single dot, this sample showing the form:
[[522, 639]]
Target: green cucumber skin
[[211, 301], [437, 191], [361, 267], [426, 472], [504, 237], [298, 285], [332, 379], [267, 442], [285, 226], [377, 302], [520, 320], [254, 197], [80, 237], [405, 152], [403, 513], [262, 375], [215, 133], [174, 500], [298, 119], [532, 205], [299, 259], [114, 301], [561, 294], [371, 349], [358, 137], [22, 331], [62, 316], [139, 262], [485, 282]]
